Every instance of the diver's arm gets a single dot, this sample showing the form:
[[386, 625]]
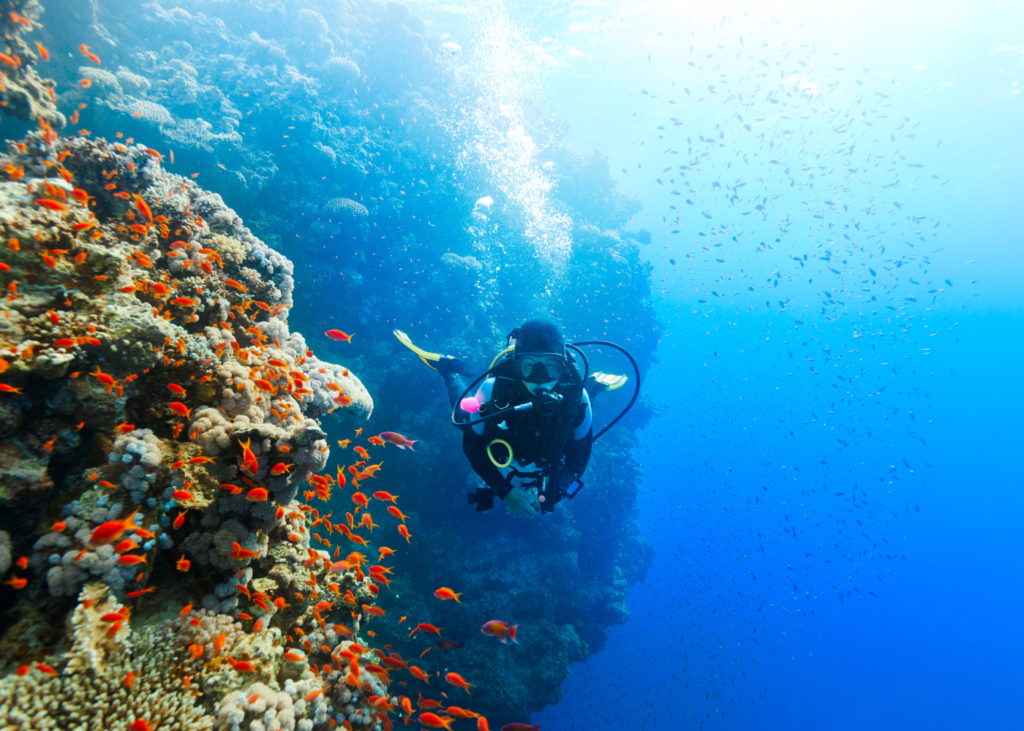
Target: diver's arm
[[475, 449], [576, 454], [455, 385]]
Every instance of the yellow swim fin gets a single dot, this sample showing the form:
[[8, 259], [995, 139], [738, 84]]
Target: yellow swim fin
[[610, 381], [422, 354]]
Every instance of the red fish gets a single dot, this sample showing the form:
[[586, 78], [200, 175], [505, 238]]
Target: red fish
[[419, 675], [459, 682], [88, 54], [398, 440], [240, 554], [504, 630], [242, 666], [112, 530], [249, 462], [385, 496], [130, 559], [51, 204], [461, 712], [339, 336], [179, 408], [143, 208], [445, 593], [434, 721], [404, 532], [256, 495]]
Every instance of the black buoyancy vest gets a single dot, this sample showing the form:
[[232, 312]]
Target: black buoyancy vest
[[537, 435]]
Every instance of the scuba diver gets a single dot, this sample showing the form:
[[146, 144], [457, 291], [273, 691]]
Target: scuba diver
[[528, 427]]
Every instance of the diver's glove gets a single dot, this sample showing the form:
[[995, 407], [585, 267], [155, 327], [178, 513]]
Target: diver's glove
[[522, 503]]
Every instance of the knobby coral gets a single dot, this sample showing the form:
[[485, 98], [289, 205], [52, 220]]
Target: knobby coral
[[163, 417]]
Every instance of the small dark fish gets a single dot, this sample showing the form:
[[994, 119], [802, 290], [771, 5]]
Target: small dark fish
[[446, 645]]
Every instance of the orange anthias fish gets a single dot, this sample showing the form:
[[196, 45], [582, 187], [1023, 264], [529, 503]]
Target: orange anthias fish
[[242, 666], [249, 462], [257, 495], [385, 496], [459, 682], [404, 532], [339, 336], [51, 204], [434, 721], [445, 593], [112, 530], [419, 675], [143, 208], [398, 440], [504, 630], [461, 712], [240, 554], [89, 54]]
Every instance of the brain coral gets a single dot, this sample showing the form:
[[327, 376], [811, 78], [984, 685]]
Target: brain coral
[[340, 70], [345, 208]]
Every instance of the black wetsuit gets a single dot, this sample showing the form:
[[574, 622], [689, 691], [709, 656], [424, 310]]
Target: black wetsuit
[[547, 434]]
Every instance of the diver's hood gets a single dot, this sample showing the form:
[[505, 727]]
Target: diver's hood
[[539, 335]]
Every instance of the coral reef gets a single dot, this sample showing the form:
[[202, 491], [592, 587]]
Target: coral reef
[[163, 417], [321, 124], [23, 93]]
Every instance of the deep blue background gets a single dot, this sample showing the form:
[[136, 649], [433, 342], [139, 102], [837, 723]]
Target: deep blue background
[[940, 644]]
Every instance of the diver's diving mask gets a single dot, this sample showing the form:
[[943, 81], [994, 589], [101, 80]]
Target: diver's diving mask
[[539, 368]]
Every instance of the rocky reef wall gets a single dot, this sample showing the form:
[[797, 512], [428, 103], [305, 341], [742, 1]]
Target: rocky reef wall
[[323, 126]]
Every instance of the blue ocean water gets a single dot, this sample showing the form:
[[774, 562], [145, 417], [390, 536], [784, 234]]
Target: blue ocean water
[[830, 213], [738, 624]]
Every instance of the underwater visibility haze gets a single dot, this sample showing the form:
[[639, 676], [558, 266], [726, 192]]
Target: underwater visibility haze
[[295, 291]]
